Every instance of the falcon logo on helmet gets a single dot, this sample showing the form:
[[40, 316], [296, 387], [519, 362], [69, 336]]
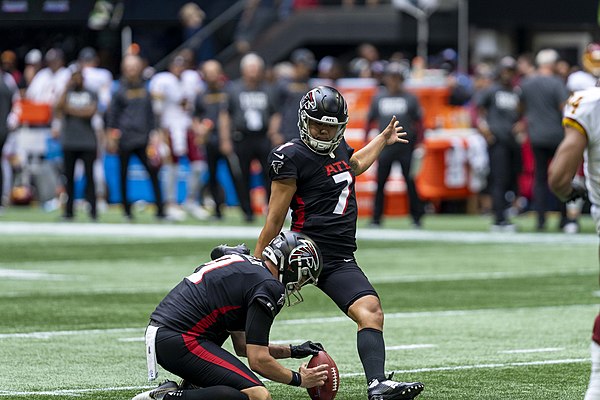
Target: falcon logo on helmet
[[326, 105], [298, 260]]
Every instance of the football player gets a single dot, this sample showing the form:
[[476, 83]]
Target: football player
[[235, 295], [315, 175], [582, 136]]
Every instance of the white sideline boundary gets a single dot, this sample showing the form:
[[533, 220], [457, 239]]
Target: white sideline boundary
[[77, 392], [305, 321], [246, 232]]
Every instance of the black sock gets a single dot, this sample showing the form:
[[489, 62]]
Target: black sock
[[371, 350], [209, 393]]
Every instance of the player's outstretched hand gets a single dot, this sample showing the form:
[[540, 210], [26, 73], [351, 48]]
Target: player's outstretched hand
[[393, 133], [312, 377], [223, 250], [305, 349]]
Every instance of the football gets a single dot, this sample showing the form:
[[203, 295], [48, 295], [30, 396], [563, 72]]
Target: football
[[330, 388]]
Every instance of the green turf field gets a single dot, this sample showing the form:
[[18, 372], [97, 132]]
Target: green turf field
[[471, 316]]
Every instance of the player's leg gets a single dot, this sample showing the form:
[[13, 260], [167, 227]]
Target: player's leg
[[212, 158], [242, 150], [197, 169], [415, 204], [346, 284], [124, 156], [153, 173], [88, 158], [263, 150], [69, 157], [593, 391], [206, 365], [540, 185], [384, 166]]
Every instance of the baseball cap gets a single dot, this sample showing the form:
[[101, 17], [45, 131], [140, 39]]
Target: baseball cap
[[546, 56], [33, 56], [303, 56], [87, 54], [507, 63], [396, 68], [54, 54]]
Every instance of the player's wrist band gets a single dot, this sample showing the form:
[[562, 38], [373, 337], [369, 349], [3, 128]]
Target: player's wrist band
[[296, 379]]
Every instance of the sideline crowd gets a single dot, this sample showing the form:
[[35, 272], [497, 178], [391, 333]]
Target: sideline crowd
[[193, 112]]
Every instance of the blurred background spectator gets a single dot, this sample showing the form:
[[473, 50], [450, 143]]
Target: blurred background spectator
[[544, 95]]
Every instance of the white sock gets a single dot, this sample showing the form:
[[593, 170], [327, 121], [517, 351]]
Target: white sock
[[593, 392]]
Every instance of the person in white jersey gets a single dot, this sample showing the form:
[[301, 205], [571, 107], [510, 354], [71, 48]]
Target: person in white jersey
[[172, 103], [99, 81], [581, 143]]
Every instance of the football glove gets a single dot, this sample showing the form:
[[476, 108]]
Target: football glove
[[305, 349], [578, 191], [224, 250]]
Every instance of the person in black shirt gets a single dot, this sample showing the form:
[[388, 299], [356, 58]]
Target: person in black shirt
[[7, 94], [235, 295], [291, 91], [253, 114], [498, 115], [75, 109], [130, 121], [314, 176], [392, 100]]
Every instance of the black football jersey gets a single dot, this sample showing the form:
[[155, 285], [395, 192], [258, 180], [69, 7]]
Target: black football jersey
[[324, 205], [214, 300]]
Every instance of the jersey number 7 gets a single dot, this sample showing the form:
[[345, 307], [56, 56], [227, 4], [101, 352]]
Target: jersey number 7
[[346, 178]]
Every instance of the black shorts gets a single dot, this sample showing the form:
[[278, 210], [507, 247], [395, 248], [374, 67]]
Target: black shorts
[[201, 361], [344, 282]]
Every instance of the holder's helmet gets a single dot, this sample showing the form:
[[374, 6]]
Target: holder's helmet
[[298, 261], [326, 105]]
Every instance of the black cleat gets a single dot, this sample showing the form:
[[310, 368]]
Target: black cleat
[[392, 390], [158, 393], [224, 250]]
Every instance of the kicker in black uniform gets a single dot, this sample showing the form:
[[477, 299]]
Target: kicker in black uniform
[[315, 177]]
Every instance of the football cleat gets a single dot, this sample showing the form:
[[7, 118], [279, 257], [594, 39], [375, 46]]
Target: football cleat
[[158, 393], [392, 390], [224, 250]]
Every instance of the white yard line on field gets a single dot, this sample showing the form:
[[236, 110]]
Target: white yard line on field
[[481, 366], [75, 392], [51, 334], [248, 232], [410, 347], [311, 321], [524, 351], [71, 392], [22, 274]]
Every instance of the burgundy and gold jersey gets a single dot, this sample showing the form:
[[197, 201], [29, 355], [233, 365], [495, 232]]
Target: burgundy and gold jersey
[[324, 205]]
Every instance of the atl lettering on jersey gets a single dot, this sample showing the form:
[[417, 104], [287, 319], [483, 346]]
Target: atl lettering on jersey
[[336, 167]]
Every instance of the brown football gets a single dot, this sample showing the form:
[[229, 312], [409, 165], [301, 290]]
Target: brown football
[[332, 384]]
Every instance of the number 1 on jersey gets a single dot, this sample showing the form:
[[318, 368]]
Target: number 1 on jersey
[[342, 203]]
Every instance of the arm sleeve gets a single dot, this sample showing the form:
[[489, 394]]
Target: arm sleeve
[[258, 322]]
